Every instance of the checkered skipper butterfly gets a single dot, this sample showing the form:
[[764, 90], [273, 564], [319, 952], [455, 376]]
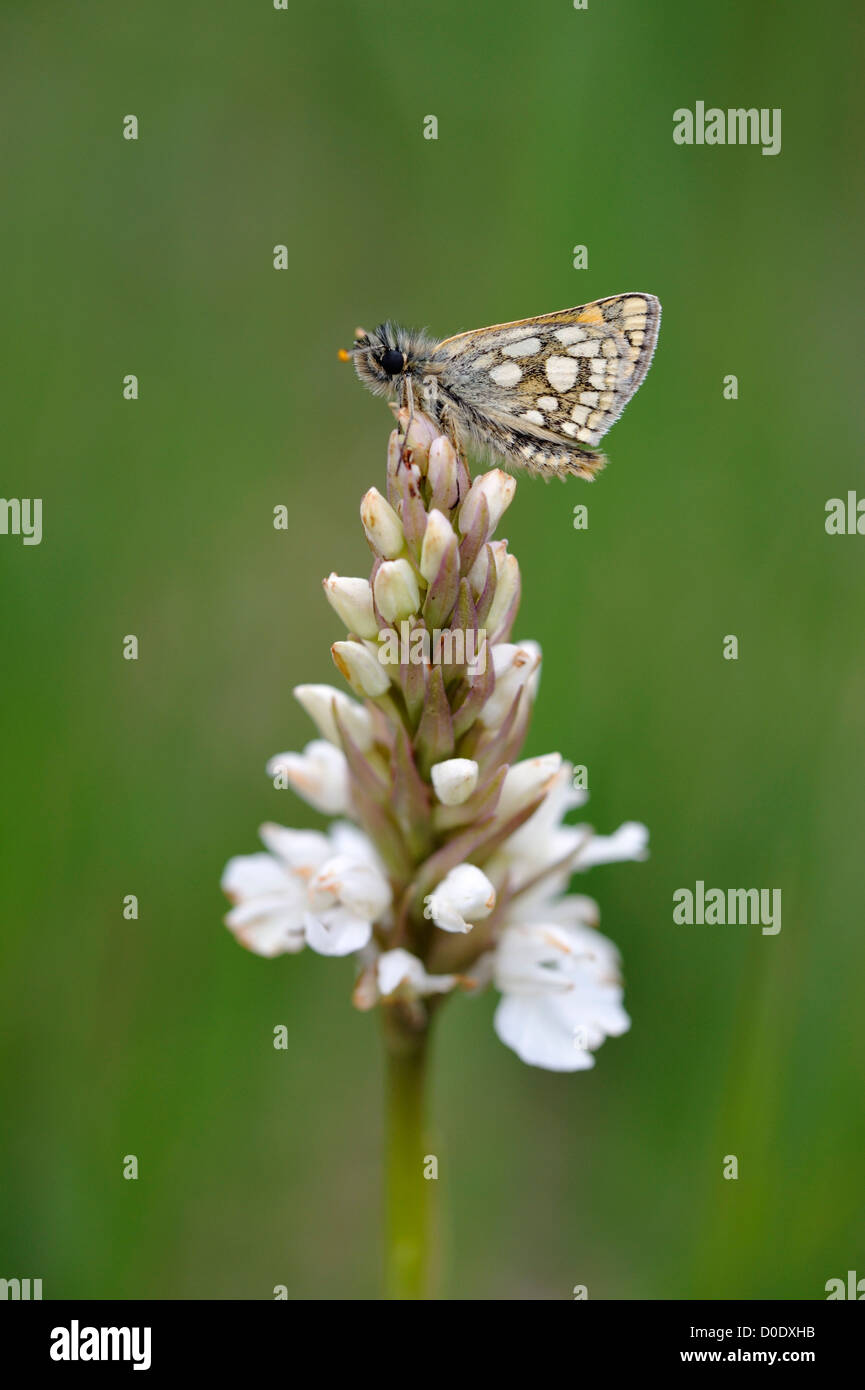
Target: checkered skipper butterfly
[[533, 393]]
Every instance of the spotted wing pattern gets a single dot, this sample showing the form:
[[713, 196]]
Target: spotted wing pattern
[[544, 391]]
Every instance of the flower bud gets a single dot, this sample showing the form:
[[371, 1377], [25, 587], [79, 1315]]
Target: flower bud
[[463, 897], [525, 782], [319, 774], [480, 569], [506, 596], [319, 702], [497, 488], [439, 534], [454, 780], [396, 590], [365, 675], [382, 525], [419, 436], [443, 474], [351, 600], [515, 666]]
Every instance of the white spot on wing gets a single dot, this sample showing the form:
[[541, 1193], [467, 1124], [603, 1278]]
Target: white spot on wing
[[534, 416], [572, 334], [561, 372], [526, 347], [508, 374], [548, 402], [513, 332]]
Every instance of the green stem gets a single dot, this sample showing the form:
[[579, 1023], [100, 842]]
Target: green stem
[[408, 1192]]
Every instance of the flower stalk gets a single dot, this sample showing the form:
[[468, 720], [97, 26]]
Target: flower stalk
[[408, 1201]]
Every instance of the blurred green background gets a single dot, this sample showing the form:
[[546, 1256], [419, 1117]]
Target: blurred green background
[[260, 1167]]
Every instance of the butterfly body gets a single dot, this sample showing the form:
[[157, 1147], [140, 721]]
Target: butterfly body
[[538, 393]]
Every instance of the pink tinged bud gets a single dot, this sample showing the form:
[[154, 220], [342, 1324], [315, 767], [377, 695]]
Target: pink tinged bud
[[516, 667], [351, 600], [396, 591], [497, 489], [319, 701], [438, 537], [382, 525], [500, 554], [399, 972], [420, 435], [454, 780], [526, 782], [444, 588], [364, 673], [463, 897], [507, 593], [319, 774], [443, 474], [409, 503], [479, 570]]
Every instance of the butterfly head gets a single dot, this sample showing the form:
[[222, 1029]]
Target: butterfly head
[[380, 359]]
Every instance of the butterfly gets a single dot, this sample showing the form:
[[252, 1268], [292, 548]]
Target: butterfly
[[538, 393]]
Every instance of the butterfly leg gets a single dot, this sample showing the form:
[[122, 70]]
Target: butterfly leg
[[409, 401]]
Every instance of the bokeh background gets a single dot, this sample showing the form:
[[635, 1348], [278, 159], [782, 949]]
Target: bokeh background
[[154, 1037]]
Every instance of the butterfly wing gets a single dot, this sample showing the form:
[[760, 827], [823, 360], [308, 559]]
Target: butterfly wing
[[548, 387]]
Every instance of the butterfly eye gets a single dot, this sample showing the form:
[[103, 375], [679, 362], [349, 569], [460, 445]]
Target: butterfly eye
[[392, 361]]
